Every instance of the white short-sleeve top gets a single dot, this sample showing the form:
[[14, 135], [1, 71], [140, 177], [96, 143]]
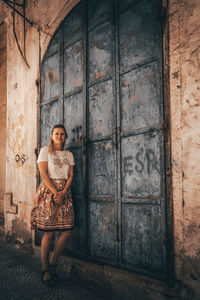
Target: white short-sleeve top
[[58, 164]]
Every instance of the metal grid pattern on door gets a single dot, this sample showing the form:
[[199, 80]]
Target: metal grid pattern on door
[[102, 78]]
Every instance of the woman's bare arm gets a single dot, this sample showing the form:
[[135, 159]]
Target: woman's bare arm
[[69, 179], [61, 194], [43, 168]]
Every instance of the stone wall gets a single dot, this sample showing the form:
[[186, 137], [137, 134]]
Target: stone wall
[[184, 42]]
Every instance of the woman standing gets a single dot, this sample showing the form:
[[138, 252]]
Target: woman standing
[[53, 207]]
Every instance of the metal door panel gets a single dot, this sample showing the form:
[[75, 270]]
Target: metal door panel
[[141, 98], [125, 4], [142, 236], [77, 240], [76, 243], [77, 183], [50, 115], [99, 12], [50, 79], [101, 110], [73, 122], [100, 53], [139, 33], [109, 97], [73, 26], [101, 159], [54, 45], [142, 165], [102, 234], [73, 118], [73, 68]]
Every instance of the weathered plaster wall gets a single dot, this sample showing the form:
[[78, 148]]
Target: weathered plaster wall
[[184, 34], [21, 127], [22, 105]]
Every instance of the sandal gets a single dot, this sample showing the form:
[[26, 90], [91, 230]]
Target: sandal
[[54, 272], [48, 282]]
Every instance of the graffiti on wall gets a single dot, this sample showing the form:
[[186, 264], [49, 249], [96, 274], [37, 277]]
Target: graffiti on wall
[[20, 158], [144, 159]]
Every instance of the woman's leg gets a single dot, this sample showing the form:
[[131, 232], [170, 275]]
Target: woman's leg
[[45, 250], [59, 246]]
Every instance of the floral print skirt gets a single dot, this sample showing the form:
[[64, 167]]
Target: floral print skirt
[[46, 215]]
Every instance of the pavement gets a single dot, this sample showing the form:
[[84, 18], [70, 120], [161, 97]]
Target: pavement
[[20, 278]]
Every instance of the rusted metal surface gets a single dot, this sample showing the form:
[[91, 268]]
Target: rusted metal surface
[[101, 110], [141, 165], [141, 98], [101, 163], [54, 44], [100, 53], [50, 79], [110, 77], [142, 235], [73, 121], [139, 32], [102, 225], [50, 114], [73, 68], [142, 140], [101, 166], [99, 12], [73, 118], [77, 185], [73, 27]]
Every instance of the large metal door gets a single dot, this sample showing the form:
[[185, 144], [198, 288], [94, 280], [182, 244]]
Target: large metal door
[[141, 135], [102, 155], [62, 101], [102, 78]]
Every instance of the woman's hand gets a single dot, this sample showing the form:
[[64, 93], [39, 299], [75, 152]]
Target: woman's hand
[[58, 196]]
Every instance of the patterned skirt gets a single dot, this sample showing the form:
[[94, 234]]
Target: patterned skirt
[[46, 215]]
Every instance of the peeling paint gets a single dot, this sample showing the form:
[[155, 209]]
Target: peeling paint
[[99, 75], [52, 76]]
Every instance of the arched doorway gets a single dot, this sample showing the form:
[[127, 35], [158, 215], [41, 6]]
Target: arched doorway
[[102, 78]]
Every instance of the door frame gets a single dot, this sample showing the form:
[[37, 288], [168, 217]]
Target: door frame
[[169, 241]]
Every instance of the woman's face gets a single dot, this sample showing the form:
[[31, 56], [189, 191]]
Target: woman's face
[[58, 136]]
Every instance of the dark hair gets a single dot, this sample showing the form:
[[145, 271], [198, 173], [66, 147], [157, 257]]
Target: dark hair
[[51, 148]]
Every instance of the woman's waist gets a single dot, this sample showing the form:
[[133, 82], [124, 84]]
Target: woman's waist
[[59, 183], [58, 179]]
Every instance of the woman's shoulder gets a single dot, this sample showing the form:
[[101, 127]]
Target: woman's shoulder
[[44, 149], [43, 155]]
